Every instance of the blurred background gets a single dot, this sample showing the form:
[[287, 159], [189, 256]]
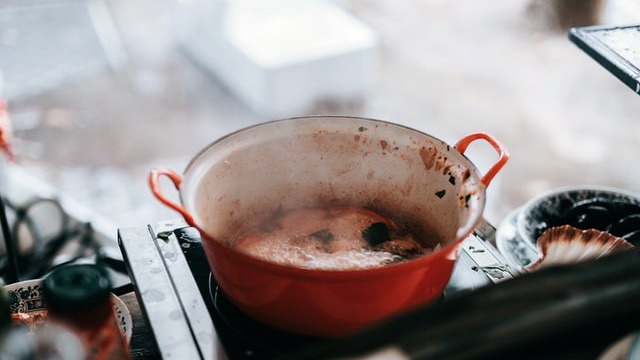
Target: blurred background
[[101, 91]]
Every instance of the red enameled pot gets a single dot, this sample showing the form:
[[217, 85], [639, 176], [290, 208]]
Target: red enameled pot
[[411, 177]]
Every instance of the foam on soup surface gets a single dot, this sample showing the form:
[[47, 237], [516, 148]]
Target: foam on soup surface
[[334, 238]]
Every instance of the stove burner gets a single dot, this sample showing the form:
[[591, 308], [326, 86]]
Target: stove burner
[[246, 338], [241, 337]]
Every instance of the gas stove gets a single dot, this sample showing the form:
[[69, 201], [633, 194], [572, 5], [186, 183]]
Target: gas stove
[[191, 318]]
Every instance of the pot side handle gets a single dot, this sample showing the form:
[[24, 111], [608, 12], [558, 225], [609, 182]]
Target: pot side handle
[[154, 184], [503, 155]]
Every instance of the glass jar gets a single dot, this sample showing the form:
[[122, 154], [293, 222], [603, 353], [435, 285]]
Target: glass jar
[[79, 297]]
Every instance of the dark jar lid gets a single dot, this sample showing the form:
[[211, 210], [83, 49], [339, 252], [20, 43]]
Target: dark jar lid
[[76, 288]]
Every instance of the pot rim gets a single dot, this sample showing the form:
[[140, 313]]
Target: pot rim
[[213, 143], [475, 219]]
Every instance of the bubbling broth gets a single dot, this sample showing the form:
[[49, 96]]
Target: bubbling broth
[[330, 238]]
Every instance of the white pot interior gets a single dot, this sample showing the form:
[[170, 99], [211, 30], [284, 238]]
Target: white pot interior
[[423, 184]]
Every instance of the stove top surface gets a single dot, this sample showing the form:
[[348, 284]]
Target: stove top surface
[[190, 316]]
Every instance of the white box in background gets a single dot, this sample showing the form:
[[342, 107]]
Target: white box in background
[[621, 12], [280, 57]]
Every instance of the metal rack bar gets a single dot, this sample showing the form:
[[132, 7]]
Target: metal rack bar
[[616, 48]]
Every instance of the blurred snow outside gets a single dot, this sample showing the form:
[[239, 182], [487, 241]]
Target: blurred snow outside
[[445, 68]]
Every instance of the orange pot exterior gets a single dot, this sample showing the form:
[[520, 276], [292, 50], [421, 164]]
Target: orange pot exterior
[[316, 161]]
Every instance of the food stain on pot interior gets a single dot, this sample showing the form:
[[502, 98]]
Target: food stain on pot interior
[[428, 155], [464, 200], [433, 159]]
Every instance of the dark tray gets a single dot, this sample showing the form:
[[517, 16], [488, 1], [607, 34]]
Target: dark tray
[[617, 48]]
